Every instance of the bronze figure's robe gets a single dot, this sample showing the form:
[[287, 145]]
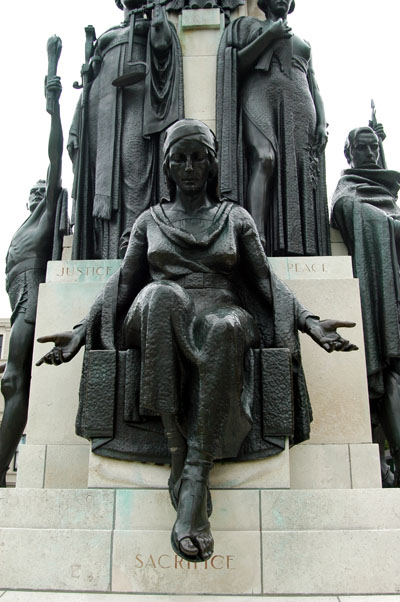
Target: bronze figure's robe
[[276, 95], [121, 170], [186, 336]]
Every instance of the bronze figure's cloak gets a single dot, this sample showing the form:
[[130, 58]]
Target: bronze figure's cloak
[[362, 203]]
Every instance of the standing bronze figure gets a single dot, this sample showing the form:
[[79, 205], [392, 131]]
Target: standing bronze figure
[[115, 137], [272, 129], [366, 212], [196, 305], [37, 241]]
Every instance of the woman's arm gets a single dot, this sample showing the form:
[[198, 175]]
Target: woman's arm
[[321, 135], [323, 332], [134, 269], [133, 275], [273, 30]]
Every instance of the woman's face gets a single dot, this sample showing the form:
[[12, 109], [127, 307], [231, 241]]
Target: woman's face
[[279, 8], [189, 166]]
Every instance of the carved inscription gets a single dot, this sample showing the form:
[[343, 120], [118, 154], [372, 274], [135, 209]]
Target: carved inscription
[[307, 268], [68, 272], [217, 562]]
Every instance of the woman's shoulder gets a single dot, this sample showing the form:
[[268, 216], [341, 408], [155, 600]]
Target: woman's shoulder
[[237, 211], [238, 32], [240, 216]]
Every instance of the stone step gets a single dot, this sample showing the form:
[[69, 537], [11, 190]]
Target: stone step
[[243, 510], [267, 542], [25, 596]]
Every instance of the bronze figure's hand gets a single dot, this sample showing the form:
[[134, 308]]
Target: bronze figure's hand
[[54, 47], [278, 29], [53, 87], [321, 139], [66, 346], [324, 333], [379, 131]]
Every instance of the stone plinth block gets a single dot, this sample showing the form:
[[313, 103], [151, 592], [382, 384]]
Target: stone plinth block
[[320, 467], [328, 562], [144, 509], [143, 561], [31, 466], [202, 19], [330, 510], [312, 268], [337, 244], [81, 597], [337, 382], [54, 391], [365, 466], [200, 71], [56, 509], [202, 42], [67, 464], [268, 473], [89, 270], [52, 559]]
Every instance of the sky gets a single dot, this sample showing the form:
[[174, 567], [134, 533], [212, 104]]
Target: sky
[[356, 55]]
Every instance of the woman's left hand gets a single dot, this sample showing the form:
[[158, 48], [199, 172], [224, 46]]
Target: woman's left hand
[[324, 333], [321, 139]]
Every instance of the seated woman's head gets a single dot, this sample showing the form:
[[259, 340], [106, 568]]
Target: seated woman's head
[[280, 8], [190, 158]]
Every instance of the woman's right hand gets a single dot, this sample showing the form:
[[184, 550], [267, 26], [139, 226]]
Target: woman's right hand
[[278, 29], [66, 346]]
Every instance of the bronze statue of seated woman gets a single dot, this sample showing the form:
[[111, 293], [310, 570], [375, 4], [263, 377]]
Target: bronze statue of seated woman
[[174, 337]]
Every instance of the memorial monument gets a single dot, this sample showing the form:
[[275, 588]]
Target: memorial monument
[[190, 357]]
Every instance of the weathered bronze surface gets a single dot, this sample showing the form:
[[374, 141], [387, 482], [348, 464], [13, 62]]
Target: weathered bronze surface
[[366, 213], [225, 5], [272, 130], [189, 338], [116, 135], [38, 240]]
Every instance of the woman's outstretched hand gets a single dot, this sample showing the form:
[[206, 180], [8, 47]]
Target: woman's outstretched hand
[[66, 346], [324, 333]]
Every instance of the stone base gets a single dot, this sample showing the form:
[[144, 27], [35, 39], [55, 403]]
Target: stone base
[[21, 596], [354, 466], [271, 473], [267, 543], [340, 454]]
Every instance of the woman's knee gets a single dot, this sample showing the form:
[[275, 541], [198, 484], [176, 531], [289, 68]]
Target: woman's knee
[[264, 160], [223, 327], [167, 295]]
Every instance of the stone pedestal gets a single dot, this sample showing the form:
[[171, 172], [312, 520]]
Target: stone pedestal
[[338, 455], [267, 543]]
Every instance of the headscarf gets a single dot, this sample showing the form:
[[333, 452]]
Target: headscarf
[[190, 129]]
